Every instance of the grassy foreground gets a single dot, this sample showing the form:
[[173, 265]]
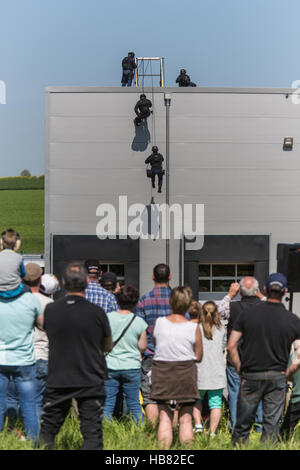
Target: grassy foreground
[[23, 210], [126, 435]]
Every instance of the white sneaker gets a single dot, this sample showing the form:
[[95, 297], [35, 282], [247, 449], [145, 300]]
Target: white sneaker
[[198, 428]]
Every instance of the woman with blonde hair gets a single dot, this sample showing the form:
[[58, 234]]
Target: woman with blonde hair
[[178, 346], [212, 370]]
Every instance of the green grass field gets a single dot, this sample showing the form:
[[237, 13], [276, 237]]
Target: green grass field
[[125, 435], [23, 210]]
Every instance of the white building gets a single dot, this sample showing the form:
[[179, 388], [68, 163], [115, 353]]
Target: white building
[[226, 152]]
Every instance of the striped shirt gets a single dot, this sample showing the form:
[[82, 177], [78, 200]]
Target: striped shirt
[[151, 306], [95, 294]]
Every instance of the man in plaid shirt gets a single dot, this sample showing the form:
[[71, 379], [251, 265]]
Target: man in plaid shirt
[[94, 293], [151, 306]]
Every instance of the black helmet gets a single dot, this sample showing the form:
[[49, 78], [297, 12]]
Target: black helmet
[[154, 149], [131, 54], [142, 96], [182, 71]]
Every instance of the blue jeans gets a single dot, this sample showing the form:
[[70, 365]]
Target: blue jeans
[[233, 386], [24, 380], [41, 378], [13, 408], [40, 388], [130, 381], [270, 387]]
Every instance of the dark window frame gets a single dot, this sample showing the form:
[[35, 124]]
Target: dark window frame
[[211, 278]]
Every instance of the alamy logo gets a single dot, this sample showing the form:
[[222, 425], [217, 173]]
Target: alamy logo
[[2, 92], [156, 221]]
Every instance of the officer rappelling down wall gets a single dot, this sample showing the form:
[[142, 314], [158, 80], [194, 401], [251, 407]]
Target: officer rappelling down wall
[[184, 80], [155, 160], [142, 109], [128, 67]]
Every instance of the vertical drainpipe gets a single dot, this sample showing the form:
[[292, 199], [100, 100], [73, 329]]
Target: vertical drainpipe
[[167, 98]]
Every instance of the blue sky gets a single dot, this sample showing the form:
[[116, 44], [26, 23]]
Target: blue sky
[[238, 43]]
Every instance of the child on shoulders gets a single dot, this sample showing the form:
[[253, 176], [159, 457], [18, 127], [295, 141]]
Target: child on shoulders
[[12, 268]]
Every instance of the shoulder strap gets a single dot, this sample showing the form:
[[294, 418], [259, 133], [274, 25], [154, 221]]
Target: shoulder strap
[[123, 332]]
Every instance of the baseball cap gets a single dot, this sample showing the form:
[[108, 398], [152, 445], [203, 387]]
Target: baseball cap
[[276, 280], [92, 265], [49, 284], [109, 277], [33, 272]]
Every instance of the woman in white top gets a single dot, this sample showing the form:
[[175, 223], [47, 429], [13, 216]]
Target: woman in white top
[[178, 346]]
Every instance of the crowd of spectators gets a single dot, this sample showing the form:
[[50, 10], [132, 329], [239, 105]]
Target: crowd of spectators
[[163, 355]]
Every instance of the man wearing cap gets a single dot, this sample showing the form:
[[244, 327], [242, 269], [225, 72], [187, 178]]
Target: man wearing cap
[[110, 282], [49, 285], [268, 330], [94, 293]]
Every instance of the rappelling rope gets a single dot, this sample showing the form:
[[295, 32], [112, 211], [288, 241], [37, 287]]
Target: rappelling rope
[[153, 134], [144, 70]]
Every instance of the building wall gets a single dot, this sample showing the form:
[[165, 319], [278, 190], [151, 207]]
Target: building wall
[[226, 152]]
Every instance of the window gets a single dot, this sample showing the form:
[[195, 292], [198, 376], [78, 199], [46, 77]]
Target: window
[[117, 268], [214, 277]]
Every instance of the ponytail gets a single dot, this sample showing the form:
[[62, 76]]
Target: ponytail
[[209, 319]]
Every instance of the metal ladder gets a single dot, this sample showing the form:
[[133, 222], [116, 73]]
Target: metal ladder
[[142, 65]]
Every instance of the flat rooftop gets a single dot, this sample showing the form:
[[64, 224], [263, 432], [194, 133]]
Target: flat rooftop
[[96, 89]]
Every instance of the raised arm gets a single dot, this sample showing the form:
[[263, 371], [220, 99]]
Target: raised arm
[[224, 304]]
